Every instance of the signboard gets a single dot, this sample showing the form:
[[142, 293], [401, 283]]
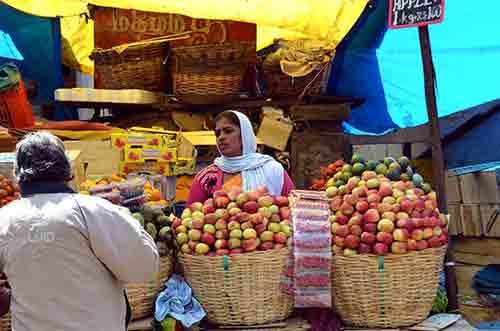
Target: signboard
[[113, 27], [410, 13]]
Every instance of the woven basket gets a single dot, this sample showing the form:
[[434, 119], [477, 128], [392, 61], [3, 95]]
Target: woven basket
[[210, 69], [5, 323], [280, 84], [141, 296], [248, 292], [138, 67], [386, 292]]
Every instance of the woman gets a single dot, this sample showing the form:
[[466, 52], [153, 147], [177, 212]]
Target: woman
[[66, 256], [239, 163]]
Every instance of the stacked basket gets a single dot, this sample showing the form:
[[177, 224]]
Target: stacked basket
[[244, 289], [386, 291]]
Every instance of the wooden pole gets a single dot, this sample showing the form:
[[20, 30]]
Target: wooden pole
[[437, 152]]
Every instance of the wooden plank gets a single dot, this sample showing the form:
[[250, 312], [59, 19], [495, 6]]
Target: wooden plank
[[320, 112], [474, 259], [407, 135], [483, 246], [140, 325]]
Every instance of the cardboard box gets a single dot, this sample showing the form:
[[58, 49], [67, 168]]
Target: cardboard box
[[275, 132], [7, 161], [455, 226], [98, 157], [452, 187], [152, 168], [471, 220], [141, 155]]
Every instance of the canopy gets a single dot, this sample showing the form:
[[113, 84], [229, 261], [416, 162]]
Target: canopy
[[7, 48], [327, 20]]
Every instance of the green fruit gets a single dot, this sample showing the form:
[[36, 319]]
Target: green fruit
[[339, 183], [347, 168], [427, 188], [395, 165], [358, 168], [381, 169], [388, 161], [356, 158], [151, 229], [162, 220], [417, 180], [165, 233], [157, 213], [404, 162], [405, 177], [394, 174], [147, 213], [373, 183], [346, 176], [343, 189], [371, 165], [138, 216]]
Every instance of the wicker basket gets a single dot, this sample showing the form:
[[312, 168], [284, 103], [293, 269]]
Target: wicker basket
[[386, 292], [5, 323], [138, 67], [280, 84], [210, 69], [248, 292], [141, 296]]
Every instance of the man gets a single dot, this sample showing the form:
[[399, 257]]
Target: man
[[65, 255]]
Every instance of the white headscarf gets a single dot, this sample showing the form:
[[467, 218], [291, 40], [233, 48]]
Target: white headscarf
[[256, 169]]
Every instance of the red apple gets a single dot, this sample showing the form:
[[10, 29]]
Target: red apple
[[364, 249], [208, 209], [399, 248], [356, 219], [368, 238], [352, 241], [341, 219], [242, 199], [346, 209], [444, 239], [196, 206], [412, 245], [249, 245], [374, 198], [275, 218], [389, 215], [243, 217], [339, 241], [355, 230], [221, 202], [246, 225], [428, 233], [385, 225], [251, 207], [222, 234], [192, 245], [260, 228], [285, 213], [421, 245], [221, 244], [220, 193], [417, 234], [279, 246], [221, 214], [370, 227], [266, 246], [280, 238], [281, 201], [336, 203], [234, 243], [385, 189], [384, 237], [222, 252], [406, 206], [256, 219], [434, 242], [371, 216], [176, 223], [400, 235], [208, 239], [236, 251], [342, 230], [194, 235], [380, 249], [210, 218], [419, 222]]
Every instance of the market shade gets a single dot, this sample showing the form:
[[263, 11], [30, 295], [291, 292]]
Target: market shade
[[7, 48], [328, 20]]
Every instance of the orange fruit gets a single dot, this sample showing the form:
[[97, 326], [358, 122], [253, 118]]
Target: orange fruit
[[155, 195]]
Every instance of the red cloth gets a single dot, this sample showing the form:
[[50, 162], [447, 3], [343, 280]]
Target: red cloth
[[211, 179]]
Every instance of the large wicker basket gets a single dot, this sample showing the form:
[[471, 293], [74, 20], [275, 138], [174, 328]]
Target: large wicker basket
[[247, 292], [280, 84], [138, 67], [210, 69], [141, 296], [5, 323], [386, 292]]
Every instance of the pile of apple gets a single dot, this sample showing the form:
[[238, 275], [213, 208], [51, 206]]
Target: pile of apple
[[373, 215], [234, 222]]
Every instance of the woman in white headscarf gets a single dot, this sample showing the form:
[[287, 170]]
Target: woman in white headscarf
[[239, 163]]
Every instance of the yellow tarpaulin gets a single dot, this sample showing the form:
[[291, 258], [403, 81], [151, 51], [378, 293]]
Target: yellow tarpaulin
[[327, 20]]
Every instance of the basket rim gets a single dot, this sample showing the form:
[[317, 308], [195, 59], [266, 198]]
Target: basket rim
[[254, 253], [392, 255]]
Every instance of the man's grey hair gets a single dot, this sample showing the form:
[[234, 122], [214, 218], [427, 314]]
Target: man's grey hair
[[41, 157]]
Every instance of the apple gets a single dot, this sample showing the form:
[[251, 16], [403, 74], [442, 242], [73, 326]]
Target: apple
[[267, 236], [209, 228], [260, 228], [421, 245], [265, 212], [221, 202], [364, 249], [370, 227], [341, 219], [339, 241], [176, 223], [359, 192], [232, 205], [256, 219], [274, 210], [389, 200], [412, 245], [279, 246], [405, 224], [346, 209], [286, 229], [222, 252], [242, 199], [418, 222], [274, 227], [219, 193], [356, 219], [181, 229], [342, 230], [221, 214], [186, 213], [221, 234], [362, 206], [202, 249], [380, 249], [194, 235], [385, 189], [234, 211], [336, 203], [400, 235], [249, 245], [265, 201], [266, 246], [384, 237], [437, 231], [281, 201], [237, 234], [417, 234], [285, 222], [399, 248], [334, 227], [351, 199], [434, 242], [186, 249], [275, 218], [188, 222], [233, 225], [243, 217], [280, 238], [249, 233], [251, 207], [443, 238], [192, 245], [234, 243], [406, 206], [246, 225], [368, 238], [374, 197], [285, 213], [385, 225], [428, 233], [389, 215], [208, 238], [196, 206], [350, 252], [337, 250], [352, 241], [384, 207], [210, 218], [182, 238], [419, 205], [371, 216], [208, 209], [355, 230], [236, 251], [221, 224]]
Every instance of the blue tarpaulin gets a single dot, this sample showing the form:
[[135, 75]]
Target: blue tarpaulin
[[385, 66], [7, 48]]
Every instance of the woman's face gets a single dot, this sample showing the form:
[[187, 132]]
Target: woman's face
[[228, 138]]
